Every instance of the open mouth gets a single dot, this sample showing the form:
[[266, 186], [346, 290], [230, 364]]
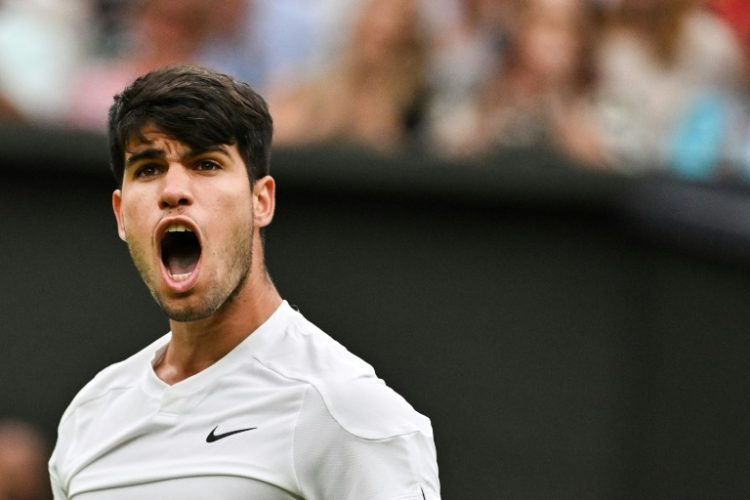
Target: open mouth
[[180, 251]]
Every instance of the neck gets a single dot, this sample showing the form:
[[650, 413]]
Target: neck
[[196, 345]]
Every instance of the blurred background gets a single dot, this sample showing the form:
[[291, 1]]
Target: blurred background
[[531, 216]]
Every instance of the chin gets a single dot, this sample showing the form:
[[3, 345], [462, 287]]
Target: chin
[[185, 313], [199, 303]]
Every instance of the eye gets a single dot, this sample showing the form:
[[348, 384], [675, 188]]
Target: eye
[[147, 170], [207, 165]]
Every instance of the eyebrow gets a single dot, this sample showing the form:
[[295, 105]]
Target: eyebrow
[[159, 154], [146, 154]]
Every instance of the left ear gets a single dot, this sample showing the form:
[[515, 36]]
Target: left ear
[[264, 201]]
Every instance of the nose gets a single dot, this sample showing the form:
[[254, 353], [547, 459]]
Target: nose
[[176, 190]]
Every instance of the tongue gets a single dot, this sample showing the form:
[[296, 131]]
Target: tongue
[[181, 264]]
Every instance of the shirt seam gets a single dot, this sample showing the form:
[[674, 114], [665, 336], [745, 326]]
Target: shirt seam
[[76, 405], [330, 413]]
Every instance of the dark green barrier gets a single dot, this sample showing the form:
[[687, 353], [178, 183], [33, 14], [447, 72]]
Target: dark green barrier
[[570, 335]]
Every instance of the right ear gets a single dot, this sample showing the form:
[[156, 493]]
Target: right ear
[[117, 208]]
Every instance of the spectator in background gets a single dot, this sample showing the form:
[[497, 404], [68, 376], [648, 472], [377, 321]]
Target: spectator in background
[[23, 462], [653, 59], [712, 138], [42, 43], [233, 43], [260, 41], [267, 42], [8, 111], [160, 33], [535, 96], [736, 13], [373, 97], [468, 47]]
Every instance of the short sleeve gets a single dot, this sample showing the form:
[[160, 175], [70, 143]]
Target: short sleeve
[[333, 462]]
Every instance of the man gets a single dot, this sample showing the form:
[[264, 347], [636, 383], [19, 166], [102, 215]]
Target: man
[[244, 398]]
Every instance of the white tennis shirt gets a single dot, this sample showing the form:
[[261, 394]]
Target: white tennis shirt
[[287, 414]]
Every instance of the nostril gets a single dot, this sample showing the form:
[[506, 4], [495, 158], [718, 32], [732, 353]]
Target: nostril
[[174, 197], [167, 202]]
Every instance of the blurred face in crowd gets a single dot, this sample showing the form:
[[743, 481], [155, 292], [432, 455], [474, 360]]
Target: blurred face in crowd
[[549, 38], [189, 218], [385, 28], [174, 27]]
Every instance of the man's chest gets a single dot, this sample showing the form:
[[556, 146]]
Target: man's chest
[[230, 438]]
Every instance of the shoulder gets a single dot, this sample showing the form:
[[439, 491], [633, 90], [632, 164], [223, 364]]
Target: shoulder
[[350, 391], [117, 376], [367, 408]]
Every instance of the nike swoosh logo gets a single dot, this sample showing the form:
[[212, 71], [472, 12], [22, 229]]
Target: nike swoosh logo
[[212, 436]]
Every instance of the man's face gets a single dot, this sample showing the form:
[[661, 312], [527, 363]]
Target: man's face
[[188, 219]]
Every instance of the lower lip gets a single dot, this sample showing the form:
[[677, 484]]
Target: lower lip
[[183, 285]]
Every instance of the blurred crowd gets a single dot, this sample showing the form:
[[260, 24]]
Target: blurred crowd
[[625, 85]]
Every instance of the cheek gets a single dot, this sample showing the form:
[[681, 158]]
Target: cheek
[[233, 207], [239, 216], [135, 222], [229, 222]]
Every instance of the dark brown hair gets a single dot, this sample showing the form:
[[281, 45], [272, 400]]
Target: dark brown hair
[[196, 106]]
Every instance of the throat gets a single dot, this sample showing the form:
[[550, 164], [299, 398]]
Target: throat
[[172, 374], [189, 352]]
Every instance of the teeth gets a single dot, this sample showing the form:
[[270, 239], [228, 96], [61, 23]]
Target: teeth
[[178, 228], [180, 277]]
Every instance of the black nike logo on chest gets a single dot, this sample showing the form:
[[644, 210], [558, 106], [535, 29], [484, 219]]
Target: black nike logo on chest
[[212, 436]]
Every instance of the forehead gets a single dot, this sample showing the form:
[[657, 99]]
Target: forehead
[[151, 137]]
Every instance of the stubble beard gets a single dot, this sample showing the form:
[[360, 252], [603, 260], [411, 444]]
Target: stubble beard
[[217, 296]]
